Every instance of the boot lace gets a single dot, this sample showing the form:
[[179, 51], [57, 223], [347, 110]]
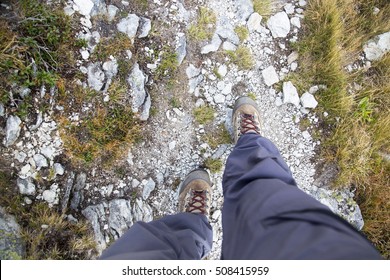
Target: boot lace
[[248, 123], [198, 203]]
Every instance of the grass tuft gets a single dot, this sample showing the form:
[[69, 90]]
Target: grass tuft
[[262, 7], [242, 32], [218, 136], [205, 26], [214, 165], [204, 114], [242, 57]]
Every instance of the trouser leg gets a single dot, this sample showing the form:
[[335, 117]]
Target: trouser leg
[[180, 236], [265, 216]]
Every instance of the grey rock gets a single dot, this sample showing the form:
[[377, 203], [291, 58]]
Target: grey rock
[[26, 186], [96, 76], [213, 46], [20, 156], [78, 196], [149, 186], [308, 101], [58, 169], [24, 92], [67, 192], [84, 6], [296, 21], [194, 82], [192, 71], [376, 48], [270, 76], [81, 180], [183, 14], [110, 68], [220, 151], [50, 196], [142, 211], [289, 8], [40, 161], [279, 24], [99, 7], [341, 203], [111, 12], [12, 130], [120, 217], [254, 22], [290, 94], [145, 27], [228, 46], [137, 81], [244, 9], [225, 30], [11, 243], [219, 98], [314, 89], [181, 48], [146, 109], [48, 152], [2, 110], [292, 57], [129, 25], [93, 214], [222, 70]]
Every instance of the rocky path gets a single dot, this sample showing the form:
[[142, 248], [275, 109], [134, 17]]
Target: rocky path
[[173, 142]]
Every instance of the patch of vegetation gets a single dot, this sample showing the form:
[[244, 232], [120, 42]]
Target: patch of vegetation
[[242, 57], [216, 73], [214, 165], [218, 136], [204, 114], [175, 103], [242, 32], [168, 66], [101, 137], [35, 52], [205, 26], [114, 46], [358, 126], [46, 233], [262, 7], [252, 96]]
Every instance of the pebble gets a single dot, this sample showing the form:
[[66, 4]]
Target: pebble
[[279, 24], [308, 101], [290, 94], [270, 76]]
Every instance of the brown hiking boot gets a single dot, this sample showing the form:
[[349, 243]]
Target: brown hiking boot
[[246, 117], [195, 193]]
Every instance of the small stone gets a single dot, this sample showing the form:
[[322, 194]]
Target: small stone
[[290, 94], [141, 100], [219, 98], [172, 145], [194, 82], [48, 152], [192, 71], [20, 156], [270, 76], [376, 48], [12, 130], [40, 161], [254, 22], [199, 103], [129, 25], [96, 76], [216, 214], [308, 101], [145, 27], [279, 24], [296, 21], [302, 3], [49, 196], [84, 6], [149, 186], [306, 135], [278, 101], [213, 46], [376, 11], [58, 169], [222, 70], [292, 57], [181, 48], [111, 12], [25, 169], [289, 8], [313, 89], [27, 200], [26, 186], [294, 66], [228, 46]]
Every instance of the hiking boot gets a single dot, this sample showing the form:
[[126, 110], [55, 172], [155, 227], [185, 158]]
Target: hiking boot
[[195, 193], [246, 117]]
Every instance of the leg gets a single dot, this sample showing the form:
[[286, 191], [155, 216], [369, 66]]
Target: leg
[[180, 236], [265, 215], [187, 235]]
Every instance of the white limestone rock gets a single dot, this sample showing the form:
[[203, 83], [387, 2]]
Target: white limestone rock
[[290, 94], [129, 25], [308, 101], [270, 76], [279, 24], [254, 22], [376, 48]]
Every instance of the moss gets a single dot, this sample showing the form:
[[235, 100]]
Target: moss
[[204, 114]]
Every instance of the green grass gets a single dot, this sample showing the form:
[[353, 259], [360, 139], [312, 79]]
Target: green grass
[[252, 96], [356, 132], [204, 28], [242, 32], [218, 136], [61, 239], [242, 57], [214, 165], [204, 114], [115, 46], [262, 7], [168, 65]]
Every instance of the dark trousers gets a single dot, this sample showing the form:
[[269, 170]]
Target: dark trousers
[[264, 216]]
